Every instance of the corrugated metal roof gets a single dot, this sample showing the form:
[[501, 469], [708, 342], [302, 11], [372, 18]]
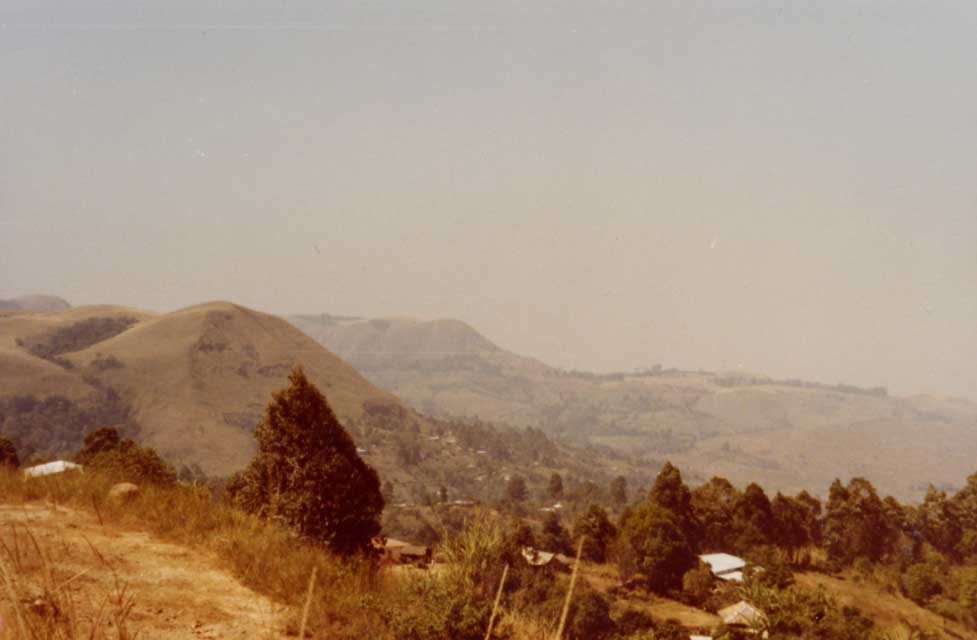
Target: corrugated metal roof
[[50, 468], [741, 613], [720, 563]]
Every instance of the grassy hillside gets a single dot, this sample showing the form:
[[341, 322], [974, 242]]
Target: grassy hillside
[[194, 383], [786, 434]]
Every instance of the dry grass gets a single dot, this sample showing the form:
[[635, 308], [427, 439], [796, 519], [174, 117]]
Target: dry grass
[[886, 608], [263, 557], [350, 599], [41, 601]]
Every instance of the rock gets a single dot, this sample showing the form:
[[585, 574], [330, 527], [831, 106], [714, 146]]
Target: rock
[[123, 491]]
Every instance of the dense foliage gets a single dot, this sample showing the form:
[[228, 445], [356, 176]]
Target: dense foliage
[[308, 474], [8, 453], [77, 336], [122, 459], [55, 425]]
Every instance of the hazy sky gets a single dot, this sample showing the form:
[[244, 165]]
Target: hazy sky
[[789, 187]]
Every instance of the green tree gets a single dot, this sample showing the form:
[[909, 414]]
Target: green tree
[[811, 513], [790, 526], [713, 504], [307, 472], [516, 490], [555, 487], [697, 584], [599, 532], [619, 491], [920, 582], [753, 519], [855, 522], [670, 492], [965, 503], [591, 617], [661, 551], [121, 458], [939, 521], [96, 442], [554, 536], [8, 454]]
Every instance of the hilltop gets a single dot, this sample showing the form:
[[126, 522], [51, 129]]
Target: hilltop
[[787, 434], [192, 383]]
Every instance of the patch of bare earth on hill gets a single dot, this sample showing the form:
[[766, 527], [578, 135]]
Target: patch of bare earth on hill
[[112, 577], [887, 610]]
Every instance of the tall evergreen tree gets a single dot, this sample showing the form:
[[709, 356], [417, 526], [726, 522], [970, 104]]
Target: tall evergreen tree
[[939, 521], [308, 474], [670, 492], [516, 490], [753, 519], [597, 530], [619, 490], [713, 504], [657, 545], [855, 522], [554, 536], [555, 487]]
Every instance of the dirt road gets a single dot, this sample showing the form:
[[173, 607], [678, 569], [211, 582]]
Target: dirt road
[[175, 593]]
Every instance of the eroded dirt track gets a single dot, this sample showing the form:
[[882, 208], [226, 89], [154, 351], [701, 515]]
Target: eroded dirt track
[[176, 593]]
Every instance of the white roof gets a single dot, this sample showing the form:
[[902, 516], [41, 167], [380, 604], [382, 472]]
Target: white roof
[[741, 613], [50, 468], [700, 637], [535, 557], [720, 563]]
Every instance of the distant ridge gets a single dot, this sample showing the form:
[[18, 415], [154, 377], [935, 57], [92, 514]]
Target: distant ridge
[[35, 303], [785, 434]]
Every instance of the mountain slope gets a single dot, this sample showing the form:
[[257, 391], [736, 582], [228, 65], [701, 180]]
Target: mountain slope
[[192, 383], [35, 303], [788, 435]]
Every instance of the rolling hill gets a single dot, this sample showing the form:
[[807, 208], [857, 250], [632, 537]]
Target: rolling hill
[[194, 383], [785, 434]]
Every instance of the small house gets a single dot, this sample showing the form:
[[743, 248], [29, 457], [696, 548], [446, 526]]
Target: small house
[[400, 552], [725, 566]]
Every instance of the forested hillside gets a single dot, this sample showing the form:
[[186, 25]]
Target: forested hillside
[[789, 434]]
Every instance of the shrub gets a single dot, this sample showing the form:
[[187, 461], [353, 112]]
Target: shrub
[[697, 584], [919, 583], [8, 453]]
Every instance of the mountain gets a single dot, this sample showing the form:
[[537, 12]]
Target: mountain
[[194, 383], [785, 434], [34, 303]]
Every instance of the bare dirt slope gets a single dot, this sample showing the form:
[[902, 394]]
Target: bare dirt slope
[[176, 593], [785, 434]]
